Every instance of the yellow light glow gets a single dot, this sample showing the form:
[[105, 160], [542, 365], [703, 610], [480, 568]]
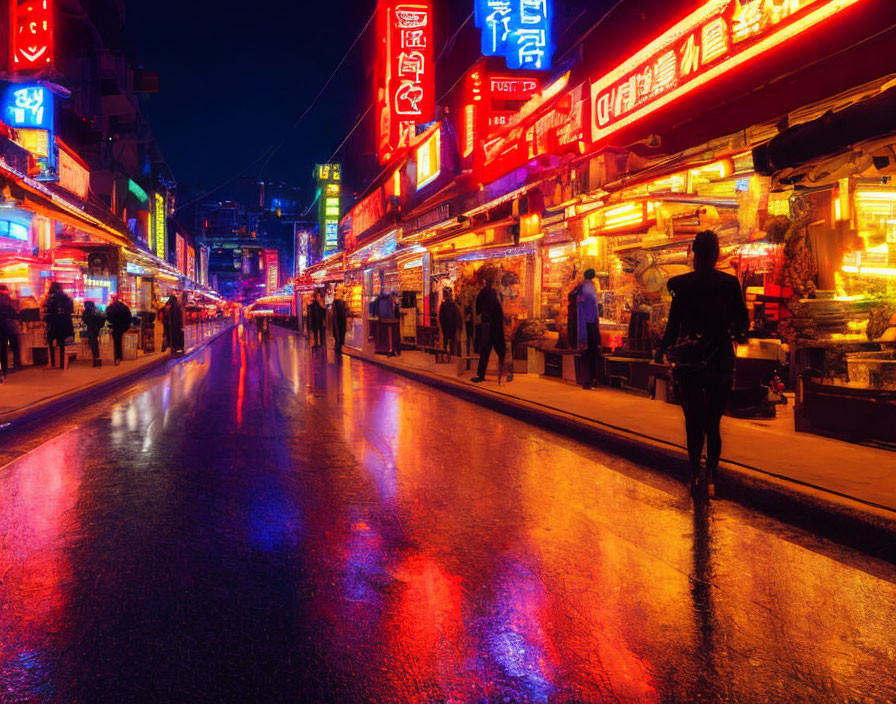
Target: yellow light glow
[[429, 162], [870, 270]]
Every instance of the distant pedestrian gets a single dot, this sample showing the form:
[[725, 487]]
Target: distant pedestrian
[[588, 319], [58, 311], [119, 317], [175, 316], [317, 320], [9, 332], [340, 324], [163, 309], [451, 321], [708, 313], [491, 314], [93, 320]]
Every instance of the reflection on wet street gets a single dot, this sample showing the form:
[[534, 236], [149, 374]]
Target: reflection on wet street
[[257, 525]]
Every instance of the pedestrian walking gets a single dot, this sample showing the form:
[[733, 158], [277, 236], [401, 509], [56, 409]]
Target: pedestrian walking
[[708, 314], [588, 325], [491, 336], [94, 321], [340, 324], [58, 311], [175, 316], [119, 317], [9, 332], [450, 320]]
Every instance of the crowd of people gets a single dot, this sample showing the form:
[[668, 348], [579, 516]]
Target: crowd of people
[[58, 314]]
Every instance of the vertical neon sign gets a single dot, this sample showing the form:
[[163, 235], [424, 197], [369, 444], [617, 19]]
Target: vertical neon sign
[[404, 73], [159, 225], [31, 35], [518, 30]]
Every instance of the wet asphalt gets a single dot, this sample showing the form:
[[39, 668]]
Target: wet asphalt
[[260, 525]]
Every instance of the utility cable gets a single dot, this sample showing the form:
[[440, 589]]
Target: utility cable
[[268, 153]]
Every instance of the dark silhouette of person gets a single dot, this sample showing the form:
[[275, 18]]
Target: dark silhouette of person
[[318, 319], [9, 331], [340, 324], [119, 317], [94, 321], [491, 312], [166, 326], [175, 316], [708, 313], [589, 318], [58, 311], [450, 320]]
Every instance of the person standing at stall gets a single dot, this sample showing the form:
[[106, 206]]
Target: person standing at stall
[[491, 313], [589, 328], [340, 324], [9, 332], [175, 317], [450, 320], [58, 311], [118, 315], [708, 314], [93, 320]]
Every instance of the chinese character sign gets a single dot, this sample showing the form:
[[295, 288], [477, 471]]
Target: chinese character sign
[[159, 226], [329, 188], [180, 248], [191, 262], [28, 106], [706, 44], [31, 35], [519, 30], [272, 269], [404, 73]]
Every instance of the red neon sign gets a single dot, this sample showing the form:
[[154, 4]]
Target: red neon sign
[[31, 35], [272, 266], [405, 74], [365, 215], [708, 43]]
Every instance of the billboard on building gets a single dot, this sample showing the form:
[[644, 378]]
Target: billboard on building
[[272, 269], [31, 35]]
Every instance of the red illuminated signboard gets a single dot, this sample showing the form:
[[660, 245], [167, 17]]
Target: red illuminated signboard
[[272, 267], [191, 262], [31, 35], [180, 250], [73, 174], [365, 215], [404, 73], [708, 43]]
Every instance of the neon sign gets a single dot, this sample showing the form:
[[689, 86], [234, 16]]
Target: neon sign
[[272, 266], [519, 30], [329, 177], [713, 40], [159, 225], [180, 249], [73, 173], [31, 40], [366, 214], [29, 106], [429, 159], [405, 74]]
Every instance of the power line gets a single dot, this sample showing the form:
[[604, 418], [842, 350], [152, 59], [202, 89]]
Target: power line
[[268, 153]]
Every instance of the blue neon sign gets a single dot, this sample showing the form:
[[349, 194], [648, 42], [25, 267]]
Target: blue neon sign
[[29, 106], [519, 30]]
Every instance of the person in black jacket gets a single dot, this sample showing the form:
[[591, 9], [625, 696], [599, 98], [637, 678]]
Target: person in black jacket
[[9, 332], [93, 320], [175, 316], [491, 312], [708, 313], [119, 318], [340, 324], [58, 310], [450, 320]]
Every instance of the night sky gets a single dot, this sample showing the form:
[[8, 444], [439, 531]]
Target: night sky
[[235, 75]]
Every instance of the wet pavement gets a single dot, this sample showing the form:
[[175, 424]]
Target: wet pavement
[[257, 525]]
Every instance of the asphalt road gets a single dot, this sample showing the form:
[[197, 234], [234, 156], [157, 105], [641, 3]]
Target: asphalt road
[[258, 525]]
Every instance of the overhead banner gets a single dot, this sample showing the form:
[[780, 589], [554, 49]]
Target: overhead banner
[[405, 85], [708, 43]]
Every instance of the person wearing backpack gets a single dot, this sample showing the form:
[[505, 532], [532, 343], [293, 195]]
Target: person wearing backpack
[[708, 314]]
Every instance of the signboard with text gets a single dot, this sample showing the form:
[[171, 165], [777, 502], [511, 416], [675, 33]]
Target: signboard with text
[[29, 106], [404, 73], [329, 188], [715, 39], [160, 231], [73, 173], [31, 35], [272, 269], [518, 30]]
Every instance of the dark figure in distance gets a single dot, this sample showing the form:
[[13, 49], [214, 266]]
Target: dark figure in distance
[[708, 313], [9, 331], [491, 312], [93, 320], [317, 320], [175, 316], [58, 311], [589, 317], [119, 318], [166, 326], [450, 320], [340, 323]]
